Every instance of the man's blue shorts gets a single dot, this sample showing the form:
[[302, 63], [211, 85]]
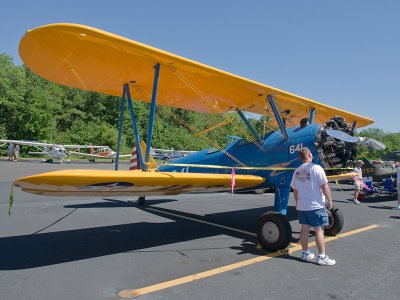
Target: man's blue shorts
[[314, 218]]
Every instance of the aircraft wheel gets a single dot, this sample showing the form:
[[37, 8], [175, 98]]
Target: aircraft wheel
[[141, 200], [274, 231], [259, 191], [336, 221]]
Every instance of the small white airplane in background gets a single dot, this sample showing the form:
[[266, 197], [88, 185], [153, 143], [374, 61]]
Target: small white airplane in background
[[106, 152], [165, 154], [60, 153], [98, 152], [54, 152]]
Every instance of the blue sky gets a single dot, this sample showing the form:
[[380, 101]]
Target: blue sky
[[341, 53]]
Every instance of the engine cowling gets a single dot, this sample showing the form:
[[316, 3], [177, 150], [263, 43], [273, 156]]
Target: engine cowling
[[334, 152]]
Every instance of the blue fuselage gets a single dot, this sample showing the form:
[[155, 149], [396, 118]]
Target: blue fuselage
[[276, 152]]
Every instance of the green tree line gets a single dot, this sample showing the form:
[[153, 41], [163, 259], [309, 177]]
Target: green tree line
[[32, 108]]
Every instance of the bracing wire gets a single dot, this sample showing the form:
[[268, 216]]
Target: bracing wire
[[170, 112], [211, 142], [213, 105]]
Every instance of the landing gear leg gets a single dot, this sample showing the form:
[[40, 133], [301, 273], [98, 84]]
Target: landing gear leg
[[273, 230], [141, 200]]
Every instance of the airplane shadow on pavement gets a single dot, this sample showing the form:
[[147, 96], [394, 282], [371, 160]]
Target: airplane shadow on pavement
[[49, 248]]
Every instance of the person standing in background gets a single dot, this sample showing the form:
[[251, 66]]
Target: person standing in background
[[10, 151], [16, 152], [358, 181]]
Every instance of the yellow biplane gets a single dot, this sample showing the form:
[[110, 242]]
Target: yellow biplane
[[94, 60]]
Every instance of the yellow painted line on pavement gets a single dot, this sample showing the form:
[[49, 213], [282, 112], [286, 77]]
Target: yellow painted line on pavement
[[201, 221], [128, 294], [167, 284], [340, 235]]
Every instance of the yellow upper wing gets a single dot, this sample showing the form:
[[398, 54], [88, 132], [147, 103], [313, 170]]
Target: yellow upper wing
[[91, 59]]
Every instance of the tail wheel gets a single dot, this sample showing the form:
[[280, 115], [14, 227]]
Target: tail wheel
[[141, 200], [336, 222], [274, 231]]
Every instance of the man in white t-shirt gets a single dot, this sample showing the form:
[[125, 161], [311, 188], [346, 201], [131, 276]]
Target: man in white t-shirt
[[313, 197], [358, 181]]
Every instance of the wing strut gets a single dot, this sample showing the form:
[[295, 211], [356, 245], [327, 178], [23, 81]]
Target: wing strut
[[312, 115], [277, 115], [135, 128], [152, 113], [126, 95], [251, 128], [121, 121], [353, 127]]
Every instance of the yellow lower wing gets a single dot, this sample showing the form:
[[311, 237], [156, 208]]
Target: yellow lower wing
[[127, 183]]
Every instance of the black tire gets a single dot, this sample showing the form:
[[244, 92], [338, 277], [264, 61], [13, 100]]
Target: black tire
[[336, 222], [259, 191], [274, 231], [141, 200]]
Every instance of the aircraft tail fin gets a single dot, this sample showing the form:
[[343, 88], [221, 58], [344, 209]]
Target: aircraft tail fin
[[152, 165], [368, 167]]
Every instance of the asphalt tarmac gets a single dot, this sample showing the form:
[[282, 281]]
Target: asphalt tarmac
[[183, 247]]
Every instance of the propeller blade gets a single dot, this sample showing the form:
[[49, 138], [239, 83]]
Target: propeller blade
[[341, 135]]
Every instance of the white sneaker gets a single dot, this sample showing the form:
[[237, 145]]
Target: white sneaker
[[356, 202], [326, 261], [308, 256], [398, 207]]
